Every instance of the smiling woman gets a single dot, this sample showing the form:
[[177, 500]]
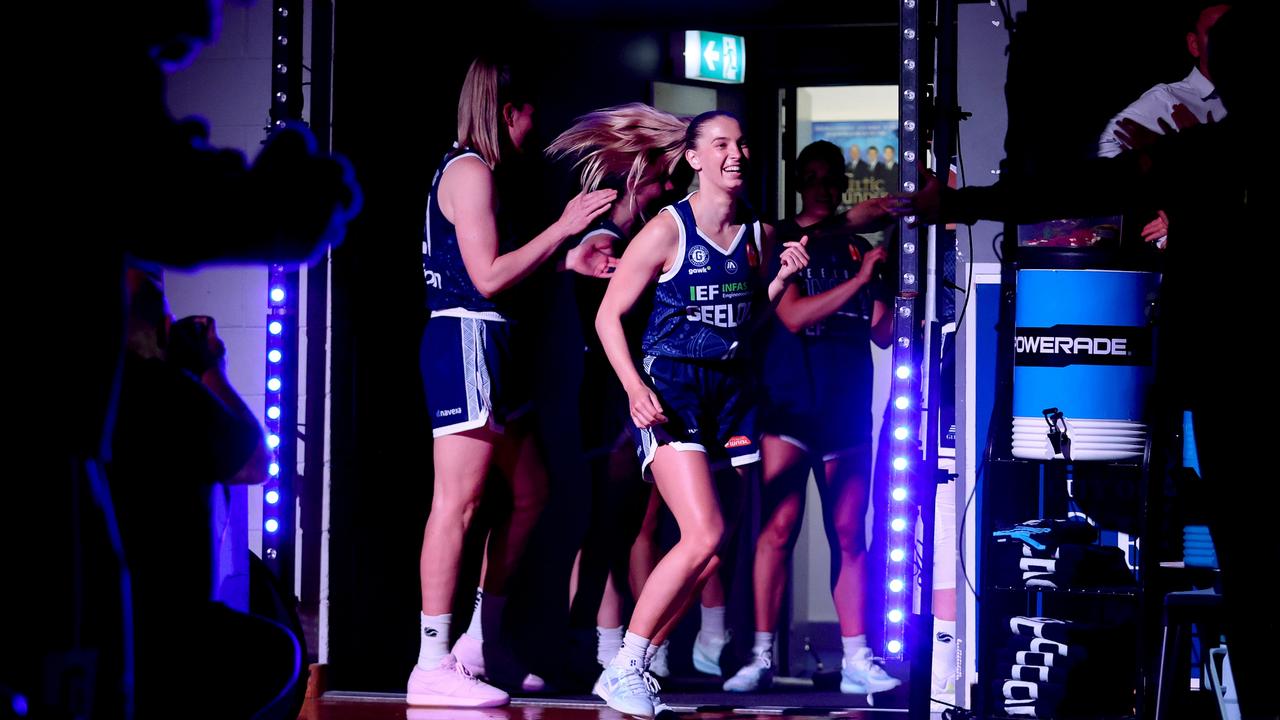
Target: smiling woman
[[705, 252]]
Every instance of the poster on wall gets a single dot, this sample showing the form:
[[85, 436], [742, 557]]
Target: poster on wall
[[870, 154]]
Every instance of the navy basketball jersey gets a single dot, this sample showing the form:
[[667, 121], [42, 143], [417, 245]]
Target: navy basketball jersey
[[835, 256], [701, 306], [449, 287]]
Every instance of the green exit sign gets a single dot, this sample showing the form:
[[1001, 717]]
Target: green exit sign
[[714, 57]]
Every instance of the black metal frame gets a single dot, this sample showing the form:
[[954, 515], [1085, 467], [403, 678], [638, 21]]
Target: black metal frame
[[286, 107]]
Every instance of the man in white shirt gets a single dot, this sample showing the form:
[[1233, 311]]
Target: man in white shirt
[[1158, 107], [1195, 91]]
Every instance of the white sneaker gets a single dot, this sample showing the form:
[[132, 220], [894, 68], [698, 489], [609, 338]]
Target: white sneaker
[[626, 690], [660, 665], [659, 705], [862, 674], [706, 653], [755, 675], [450, 684], [470, 652]]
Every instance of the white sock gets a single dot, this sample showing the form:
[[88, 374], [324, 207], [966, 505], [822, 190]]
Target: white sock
[[435, 640], [633, 652], [713, 622], [944, 659], [763, 645], [853, 644], [608, 643]]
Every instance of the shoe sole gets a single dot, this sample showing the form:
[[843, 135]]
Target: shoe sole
[[761, 686], [429, 700], [850, 688], [599, 691]]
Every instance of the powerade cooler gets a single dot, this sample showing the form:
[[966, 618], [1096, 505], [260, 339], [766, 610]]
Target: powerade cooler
[[1083, 360]]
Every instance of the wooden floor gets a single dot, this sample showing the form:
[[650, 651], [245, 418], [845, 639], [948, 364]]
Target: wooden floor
[[347, 706]]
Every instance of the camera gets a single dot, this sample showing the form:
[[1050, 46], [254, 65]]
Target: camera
[[194, 345]]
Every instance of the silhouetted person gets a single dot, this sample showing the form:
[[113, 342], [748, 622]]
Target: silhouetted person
[[1171, 107], [1213, 303], [182, 435], [106, 173]]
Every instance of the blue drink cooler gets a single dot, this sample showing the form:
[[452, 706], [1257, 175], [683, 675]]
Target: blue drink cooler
[[1084, 348]]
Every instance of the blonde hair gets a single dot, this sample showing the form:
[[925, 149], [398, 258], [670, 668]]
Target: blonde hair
[[624, 141], [488, 87]]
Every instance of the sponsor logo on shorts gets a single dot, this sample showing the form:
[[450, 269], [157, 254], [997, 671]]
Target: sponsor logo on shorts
[[738, 441], [449, 412]]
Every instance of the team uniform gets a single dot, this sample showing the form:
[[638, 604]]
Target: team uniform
[[817, 396], [817, 382], [693, 346], [468, 369]]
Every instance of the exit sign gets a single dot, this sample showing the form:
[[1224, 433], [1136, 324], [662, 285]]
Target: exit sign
[[714, 57]]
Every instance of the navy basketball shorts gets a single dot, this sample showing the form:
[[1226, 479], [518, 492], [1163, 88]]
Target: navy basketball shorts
[[470, 376], [710, 407], [829, 420]]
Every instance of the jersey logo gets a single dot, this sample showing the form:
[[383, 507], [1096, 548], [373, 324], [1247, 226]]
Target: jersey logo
[[738, 441], [698, 256], [730, 266]]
